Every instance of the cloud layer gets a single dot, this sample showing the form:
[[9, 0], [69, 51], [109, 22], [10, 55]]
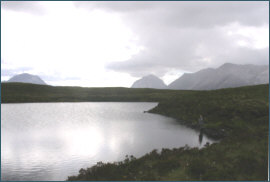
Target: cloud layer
[[188, 36], [113, 43], [24, 6]]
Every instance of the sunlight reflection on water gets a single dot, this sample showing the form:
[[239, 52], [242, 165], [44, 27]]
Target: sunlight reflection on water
[[51, 141]]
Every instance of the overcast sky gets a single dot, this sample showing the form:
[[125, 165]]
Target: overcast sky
[[115, 43]]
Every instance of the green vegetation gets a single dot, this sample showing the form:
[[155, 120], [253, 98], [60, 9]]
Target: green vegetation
[[237, 116], [23, 92]]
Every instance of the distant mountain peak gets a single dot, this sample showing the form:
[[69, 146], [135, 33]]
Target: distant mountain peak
[[149, 81], [27, 78]]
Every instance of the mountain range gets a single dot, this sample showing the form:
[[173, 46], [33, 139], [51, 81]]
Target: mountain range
[[226, 76]]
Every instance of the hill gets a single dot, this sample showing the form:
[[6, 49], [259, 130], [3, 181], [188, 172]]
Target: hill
[[27, 78], [150, 81]]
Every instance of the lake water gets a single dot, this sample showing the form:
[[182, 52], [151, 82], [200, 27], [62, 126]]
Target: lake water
[[51, 141]]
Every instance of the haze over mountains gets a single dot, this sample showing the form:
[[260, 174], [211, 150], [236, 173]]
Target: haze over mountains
[[226, 76], [27, 78]]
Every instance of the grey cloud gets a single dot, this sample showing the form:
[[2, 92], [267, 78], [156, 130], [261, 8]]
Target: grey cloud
[[118, 6], [188, 50], [207, 14], [190, 14], [31, 7], [186, 35], [247, 56], [139, 67]]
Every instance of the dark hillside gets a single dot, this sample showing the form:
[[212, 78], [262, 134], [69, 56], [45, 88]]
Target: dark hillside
[[23, 92], [239, 117]]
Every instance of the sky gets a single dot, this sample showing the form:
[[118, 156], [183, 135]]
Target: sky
[[114, 43]]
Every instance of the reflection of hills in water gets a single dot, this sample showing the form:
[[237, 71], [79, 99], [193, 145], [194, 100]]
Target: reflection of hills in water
[[201, 136]]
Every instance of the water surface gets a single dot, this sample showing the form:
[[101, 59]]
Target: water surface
[[50, 141]]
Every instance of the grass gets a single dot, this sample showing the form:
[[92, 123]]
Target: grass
[[22, 92], [239, 117]]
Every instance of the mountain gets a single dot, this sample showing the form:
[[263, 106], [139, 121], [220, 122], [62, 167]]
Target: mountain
[[150, 81], [27, 78], [226, 76]]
